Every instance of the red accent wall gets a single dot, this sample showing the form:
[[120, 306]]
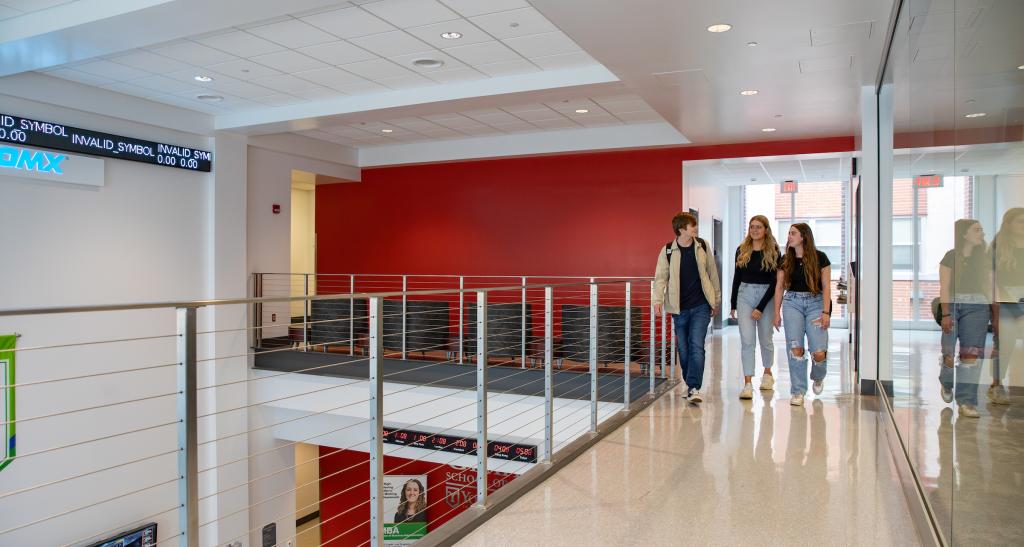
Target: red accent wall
[[345, 492], [599, 213]]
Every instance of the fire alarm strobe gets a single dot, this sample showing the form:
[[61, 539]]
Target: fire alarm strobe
[[277, 209]]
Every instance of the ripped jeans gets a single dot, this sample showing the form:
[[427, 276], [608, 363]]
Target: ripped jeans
[[971, 317], [801, 317]]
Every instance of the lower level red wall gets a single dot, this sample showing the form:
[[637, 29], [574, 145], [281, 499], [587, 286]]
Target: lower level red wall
[[345, 492], [592, 214]]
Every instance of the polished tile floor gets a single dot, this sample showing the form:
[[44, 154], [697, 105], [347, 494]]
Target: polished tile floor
[[727, 472]]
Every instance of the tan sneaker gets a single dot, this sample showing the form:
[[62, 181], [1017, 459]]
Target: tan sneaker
[[797, 400], [998, 395], [767, 382], [969, 411], [747, 392]]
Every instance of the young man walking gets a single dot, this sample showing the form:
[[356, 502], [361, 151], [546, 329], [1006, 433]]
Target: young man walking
[[686, 284]]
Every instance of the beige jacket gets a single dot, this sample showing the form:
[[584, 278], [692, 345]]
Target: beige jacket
[[666, 282]]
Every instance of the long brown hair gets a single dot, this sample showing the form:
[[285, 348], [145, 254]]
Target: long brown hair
[[421, 502], [1006, 259], [770, 250], [812, 273]]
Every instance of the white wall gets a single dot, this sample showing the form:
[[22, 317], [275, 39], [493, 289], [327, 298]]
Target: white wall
[[712, 201]]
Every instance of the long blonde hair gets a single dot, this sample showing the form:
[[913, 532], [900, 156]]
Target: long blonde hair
[[770, 250], [1003, 243]]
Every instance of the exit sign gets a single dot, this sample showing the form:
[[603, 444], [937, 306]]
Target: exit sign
[[928, 181], [789, 187]]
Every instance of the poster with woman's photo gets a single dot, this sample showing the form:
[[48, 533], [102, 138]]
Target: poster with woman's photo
[[405, 509]]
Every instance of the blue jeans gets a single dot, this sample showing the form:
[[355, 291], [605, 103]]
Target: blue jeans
[[970, 327], [751, 331], [801, 317], [691, 333]]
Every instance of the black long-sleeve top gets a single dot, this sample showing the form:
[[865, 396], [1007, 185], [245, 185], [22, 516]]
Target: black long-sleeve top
[[754, 274]]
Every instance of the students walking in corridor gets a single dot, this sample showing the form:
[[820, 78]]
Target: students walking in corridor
[[687, 272], [753, 290], [806, 309]]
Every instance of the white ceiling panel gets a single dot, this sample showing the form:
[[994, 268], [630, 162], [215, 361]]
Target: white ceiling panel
[[642, 116], [469, 8], [455, 75], [560, 123], [360, 88], [149, 61], [112, 71], [289, 61], [240, 43], [431, 34], [622, 104], [586, 120], [349, 22], [483, 53], [165, 85], [337, 53], [293, 33], [411, 13], [188, 76], [492, 116], [244, 90], [517, 126], [378, 68], [7, 13], [285, 83], [29, 6], [406, 82], [409, 60], [513, 23], [279, 99], [508, 68], [390, 44], [193, 53], [315, 93], [131, 89], [542, 45], [244, 69], [565, 60], [330, 77]]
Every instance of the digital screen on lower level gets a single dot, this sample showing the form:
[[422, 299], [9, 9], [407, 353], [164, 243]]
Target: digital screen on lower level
[[499, 450], [72, 139]]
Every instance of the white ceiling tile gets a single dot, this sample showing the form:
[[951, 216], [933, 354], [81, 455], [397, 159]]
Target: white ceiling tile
[[414, 124], [265, 22], [515, 127], [442, 133], [229, 102], [406, 82], [375, 140], [285, 83], [151, 62], [483, 53], [187, 102], [349, 22], [569, 106], [390, 44], [529, 107], [193, 53], [543, 45], [279, 99], [80, 77], [588, 120], [289, 61], [7, 13], [469, 8], [378, 68], [316, 93], [640, 117], [245, 90], [240, 43], [408, 61], [561, 123], [492, 116], [471, 34], [344, 131], [513, 23], [411, 13], [480, 131], [360, 88], [337, 53], [330, 77], [188, 76], [622, 104], [533, 116], [293, 33], [165, 85], [29, 6], [244, 69], [112, 71], [130, 89], [508, 68], [565, 60], [455, 75]]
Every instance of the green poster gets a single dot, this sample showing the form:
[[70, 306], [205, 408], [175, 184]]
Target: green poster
[[7, 397]]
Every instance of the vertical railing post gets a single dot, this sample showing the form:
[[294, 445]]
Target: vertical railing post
[[664, 344], [351, 316], [522, 353], [305, 314], [481, 397], [593, 355], [188, 440], [377, 517], [626, 351], [462, 319], [405, 301], [549, 408], [653, 335]]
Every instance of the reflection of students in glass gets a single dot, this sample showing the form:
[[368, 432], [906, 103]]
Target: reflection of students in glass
[[412, 506], [1008, 256], [965, 281], [806, 276], [753, 288]]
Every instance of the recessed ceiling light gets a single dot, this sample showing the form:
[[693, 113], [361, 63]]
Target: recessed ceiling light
[[451, 35], [720, 27], [974, 115], [202, 78], [387, 130], [428, 63], [582, 111], [1021, 67], [748, 92], [768, 129], [751, 44], [210, 98]]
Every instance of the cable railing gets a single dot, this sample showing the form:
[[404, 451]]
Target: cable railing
[[180, 423]]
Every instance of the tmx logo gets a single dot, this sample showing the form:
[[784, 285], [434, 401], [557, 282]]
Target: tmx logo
[[31, 160]]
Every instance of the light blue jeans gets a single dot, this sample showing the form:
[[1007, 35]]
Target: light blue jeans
[[971, 317], [752, 331], [801, 317]]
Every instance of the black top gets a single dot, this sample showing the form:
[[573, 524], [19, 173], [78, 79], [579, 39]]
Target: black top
[[418, 517], [691, 293], [969, 272], [754, 274], [799, 281]]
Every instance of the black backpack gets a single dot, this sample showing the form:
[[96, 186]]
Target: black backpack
[[668, 249]]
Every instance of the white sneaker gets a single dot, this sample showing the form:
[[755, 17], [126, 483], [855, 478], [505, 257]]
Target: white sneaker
[[797, 400], [818, 386], [747, 392], [767, 382], [969, 411], [947, 394], [998, 395], [695, 396]]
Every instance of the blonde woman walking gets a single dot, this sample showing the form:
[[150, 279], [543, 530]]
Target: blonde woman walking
[[753, 293]]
